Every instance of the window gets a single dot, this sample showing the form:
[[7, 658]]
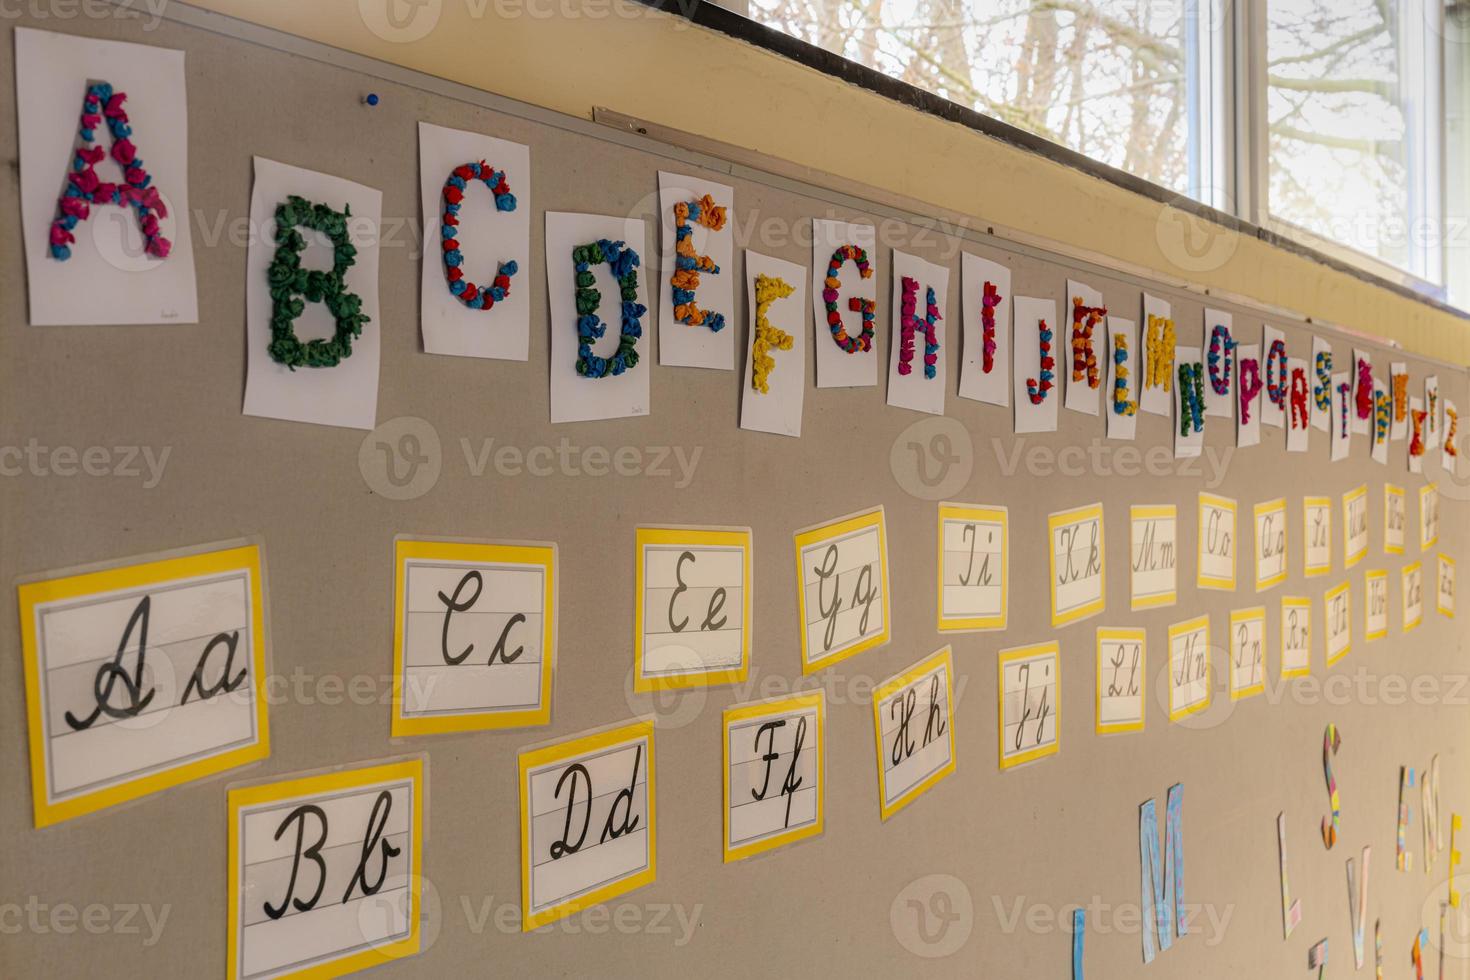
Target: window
[[1354, 127], [1344, 124]]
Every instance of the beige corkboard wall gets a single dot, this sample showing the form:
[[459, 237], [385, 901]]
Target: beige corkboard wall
[[1055, 834]]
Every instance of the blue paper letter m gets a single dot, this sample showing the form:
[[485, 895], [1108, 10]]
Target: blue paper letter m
[[1162, 882]]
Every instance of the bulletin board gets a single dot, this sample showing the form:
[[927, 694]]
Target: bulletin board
[[976, 877]]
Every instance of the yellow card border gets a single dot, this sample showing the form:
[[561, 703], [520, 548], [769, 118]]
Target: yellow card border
[[766, 709], [1349, 559], [988, 513], [1277, 506], [1426, 543], [873, 517], [293, 787], [117, 577], [1308, 569], [1370, 576], [1201, 580], [1077, 515], [1444, 560], [1022, 653], [1390, 491], [1146, 512], [714, 537], [1124, 635], [1177, 630], [577, 745], [943, 658], [1304, 604], [1237, 617], [1327, 598], [1418, 566], [540, 554]]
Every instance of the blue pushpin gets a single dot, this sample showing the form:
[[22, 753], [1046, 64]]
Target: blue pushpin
[[372, 98]]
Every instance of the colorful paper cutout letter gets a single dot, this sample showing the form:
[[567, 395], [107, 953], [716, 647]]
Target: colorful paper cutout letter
[[768, 289], [1358, 904], [84, 188], [688, 263], [1291, 912], [475, 297], [911, 324], [1162, 883]]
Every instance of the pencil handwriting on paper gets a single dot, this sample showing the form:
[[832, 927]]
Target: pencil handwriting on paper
[[791, 782], [137, 691], [620, 816], [453, 604], [864, 593], [373, 846]]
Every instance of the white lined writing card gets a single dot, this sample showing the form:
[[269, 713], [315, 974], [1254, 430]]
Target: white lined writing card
[[142, 676], [1411, 585], [913, 722], [1153, 555], [1251, 396], [845, 301], [1156, 358], [1428, 516], [691, 621], [974, 567], [1316, 536], [775, 773], [1417, 423], [492, 226], [324, 874], [1122, 676], [1275, 378], [985, 303], [1189, 413], [1078, 564], [1120, 399], [1189, 667], [1341, 421], [474, 635], [1375, 604], [1270, 544], [1083, 346], [1395, 519], [1247, 652], [1337, 622], [1296, 636], [842, 569], [589, 831], [1036, 364], [1445, 593], [1217, 534], [1222, 363], [919, 344], [696, 307], [1354, 525], [775, 356], [1029, 685], [1319, 376], [1298, 406]]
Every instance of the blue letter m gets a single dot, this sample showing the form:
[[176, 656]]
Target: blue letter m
[[1162, 882]]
